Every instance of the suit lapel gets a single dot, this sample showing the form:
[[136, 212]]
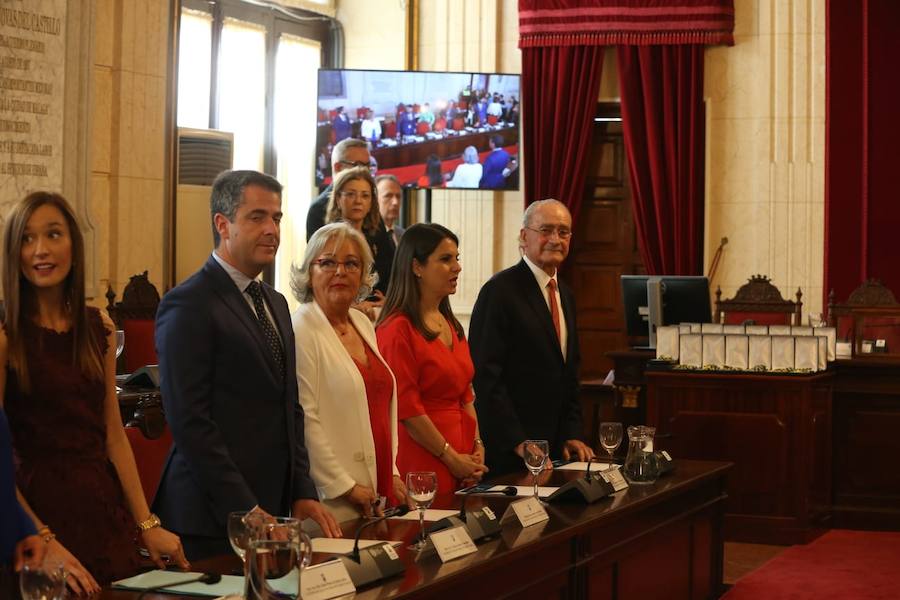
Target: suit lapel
[[534, 297], [234, 300]]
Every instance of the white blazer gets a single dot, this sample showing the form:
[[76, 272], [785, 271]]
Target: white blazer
[[333, 396]]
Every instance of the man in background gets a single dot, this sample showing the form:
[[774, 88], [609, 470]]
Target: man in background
[[390, 195], [347, 153], [497, 165], [524, 345]]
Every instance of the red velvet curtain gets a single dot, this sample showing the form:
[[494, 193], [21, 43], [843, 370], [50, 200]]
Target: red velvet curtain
[[663, 119], [660, 51], [559, 95], [862, 129]]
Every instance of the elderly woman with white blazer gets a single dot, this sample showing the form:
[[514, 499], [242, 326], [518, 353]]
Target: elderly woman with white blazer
[[348, 393]]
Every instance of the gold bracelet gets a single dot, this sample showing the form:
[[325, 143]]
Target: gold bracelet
[[149, 523], [45, 534], [443, 450], [478, 442]]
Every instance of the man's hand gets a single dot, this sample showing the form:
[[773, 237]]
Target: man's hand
[[307, 508], [363, 498], [577, 448]]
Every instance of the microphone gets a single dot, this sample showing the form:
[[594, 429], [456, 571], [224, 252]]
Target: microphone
[[207, 578], [587, 473], [506, 491], [374, 562], [397, 511]]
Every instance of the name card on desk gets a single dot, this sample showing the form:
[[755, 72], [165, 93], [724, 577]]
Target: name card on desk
[[529, 511], [452, 543], [326, 580], [615, 478]]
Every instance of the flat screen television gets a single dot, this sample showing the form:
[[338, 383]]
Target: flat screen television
[[650, 302], [429, 129]]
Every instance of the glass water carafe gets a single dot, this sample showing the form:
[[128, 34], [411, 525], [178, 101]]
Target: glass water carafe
[[276, 555], [641, 464]]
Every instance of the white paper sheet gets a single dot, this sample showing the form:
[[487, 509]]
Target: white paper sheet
[[431, 514], [343, 545], [581, 466]]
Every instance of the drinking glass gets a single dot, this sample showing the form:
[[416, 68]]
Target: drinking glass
[[239, 532], [610, 438], [120, 342], [421, 487], [536, 453], [47, 582]]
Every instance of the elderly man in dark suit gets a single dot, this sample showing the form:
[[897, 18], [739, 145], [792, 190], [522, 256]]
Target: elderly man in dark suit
[[226, 358], [525, 348]]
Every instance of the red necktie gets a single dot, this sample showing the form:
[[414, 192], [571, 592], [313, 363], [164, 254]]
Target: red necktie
[[554, 309]]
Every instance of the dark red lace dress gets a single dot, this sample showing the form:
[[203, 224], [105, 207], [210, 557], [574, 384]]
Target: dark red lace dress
[[63, 470]]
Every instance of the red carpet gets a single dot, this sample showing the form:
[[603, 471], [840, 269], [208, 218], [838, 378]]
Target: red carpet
[[850, 565]]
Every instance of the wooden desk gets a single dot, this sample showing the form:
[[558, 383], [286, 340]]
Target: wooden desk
[[664, 538], [866, 443], [777, 431]]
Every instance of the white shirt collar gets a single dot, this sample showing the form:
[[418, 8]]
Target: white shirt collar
[[542, 278], [239, 279]]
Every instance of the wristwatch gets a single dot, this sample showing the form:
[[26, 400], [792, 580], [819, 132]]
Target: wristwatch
[[149, 523]]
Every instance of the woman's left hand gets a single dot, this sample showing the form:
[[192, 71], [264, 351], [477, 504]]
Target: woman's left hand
[[161, 542], [399, 490], [478, 453]]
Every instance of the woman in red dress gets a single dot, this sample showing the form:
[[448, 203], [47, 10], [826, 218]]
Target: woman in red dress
[[426, 349], [76, 472]]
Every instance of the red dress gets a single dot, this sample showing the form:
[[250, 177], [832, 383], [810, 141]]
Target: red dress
[[64, 471], [432, 380], [379, 390]]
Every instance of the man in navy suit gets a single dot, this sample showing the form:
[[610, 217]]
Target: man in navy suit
[[524, 345], [408, 121], [229, 386], [341, 125], [497, 165]]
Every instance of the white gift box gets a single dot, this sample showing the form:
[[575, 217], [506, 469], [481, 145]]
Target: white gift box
[[713, 350], [760, 351], [733, 329], [831, 334], [667, 342], [779, 330], [823, 352], [711, 328], [756, 330], [737, 351], [801, 330], [690, 350], [806, 352], [782, 352]]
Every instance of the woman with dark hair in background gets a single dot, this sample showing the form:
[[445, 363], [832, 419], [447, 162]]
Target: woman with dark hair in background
[[76, 472], [426, 348], [433, 177]]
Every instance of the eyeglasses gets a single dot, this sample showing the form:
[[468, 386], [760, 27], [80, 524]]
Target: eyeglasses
[[355, 195], [353, 163], [330, 265], [547, 231]]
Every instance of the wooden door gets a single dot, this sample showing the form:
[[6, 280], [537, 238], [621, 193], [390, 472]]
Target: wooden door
[[604, 246]]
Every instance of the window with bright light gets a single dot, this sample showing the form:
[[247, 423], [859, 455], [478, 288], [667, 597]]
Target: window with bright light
[[194, 50], [297, 61], [252, 71]]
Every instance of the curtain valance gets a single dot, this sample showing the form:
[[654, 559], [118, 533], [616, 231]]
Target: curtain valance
[[553, 23]]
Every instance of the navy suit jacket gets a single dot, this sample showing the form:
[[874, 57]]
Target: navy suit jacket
[[523, 387], [15, 523], [492, 174], [236, 421]]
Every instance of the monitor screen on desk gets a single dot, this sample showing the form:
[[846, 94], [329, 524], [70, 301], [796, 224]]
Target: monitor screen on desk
[[428, 129], [651, 302]]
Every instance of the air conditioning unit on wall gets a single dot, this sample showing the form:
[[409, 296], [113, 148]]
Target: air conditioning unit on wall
[[202, 155]]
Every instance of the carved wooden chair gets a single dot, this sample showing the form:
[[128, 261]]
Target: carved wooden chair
[[136, 315], [760, 301], [871, 312]]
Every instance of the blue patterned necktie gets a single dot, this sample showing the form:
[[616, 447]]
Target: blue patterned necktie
[[269, 333]]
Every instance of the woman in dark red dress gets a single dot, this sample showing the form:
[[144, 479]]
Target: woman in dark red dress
[[426, 349], [76, 471]]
